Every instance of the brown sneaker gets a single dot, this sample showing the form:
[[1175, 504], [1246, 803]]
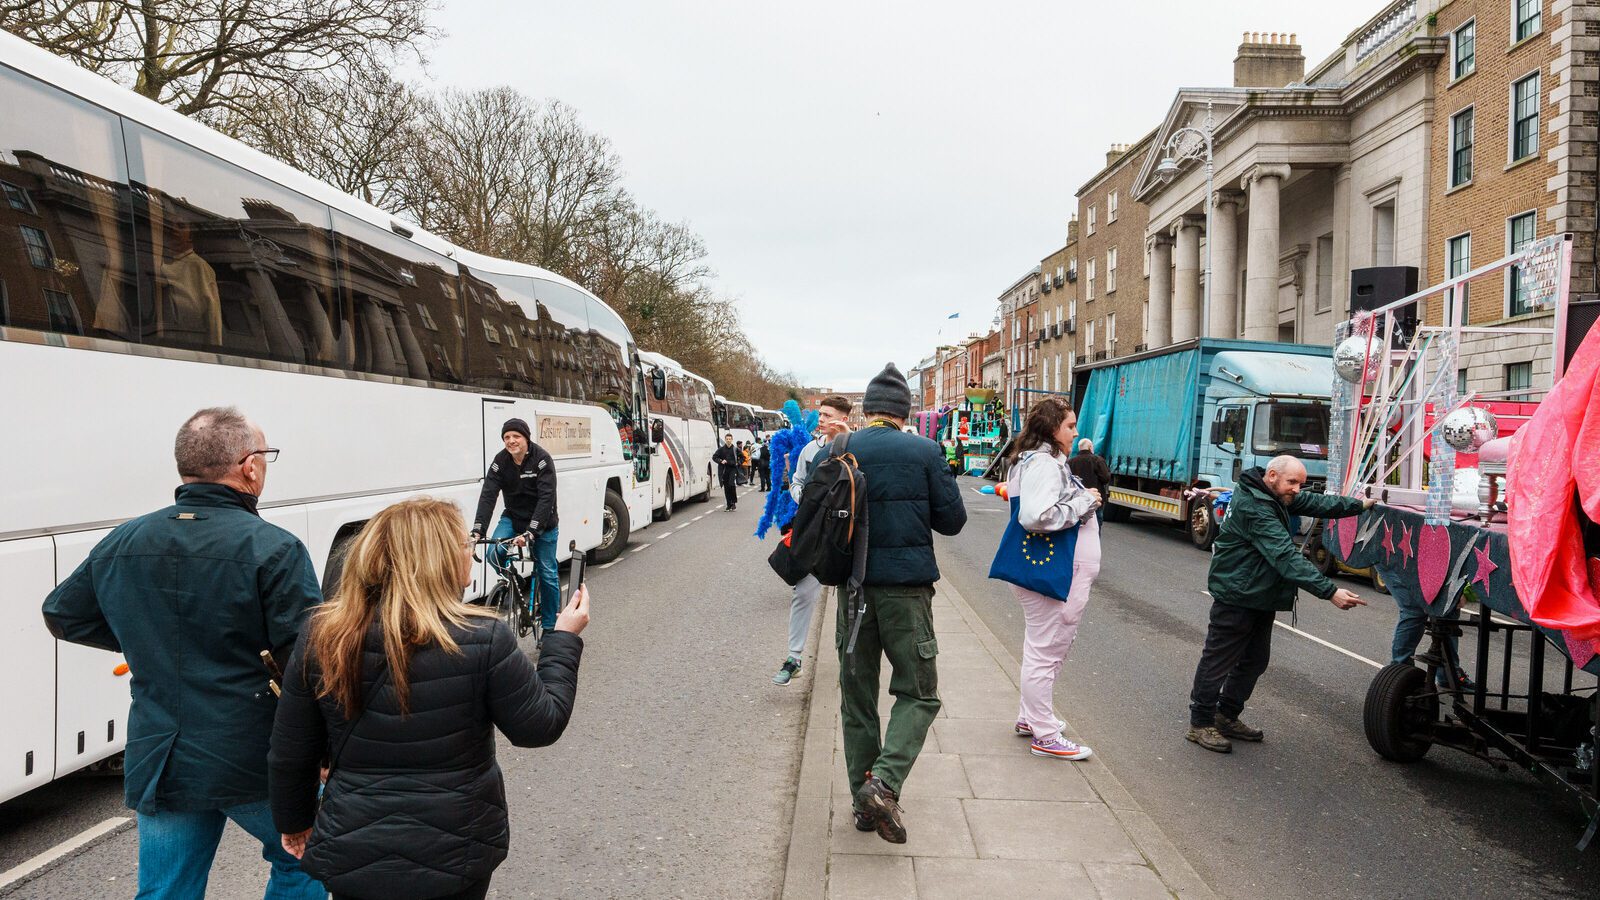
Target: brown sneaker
[[1210, 738], [1238, 730], [882, 806]]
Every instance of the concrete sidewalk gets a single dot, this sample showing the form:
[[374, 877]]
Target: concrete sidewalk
[[984, 816]]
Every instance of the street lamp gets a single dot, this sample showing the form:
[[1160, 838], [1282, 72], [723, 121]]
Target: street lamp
[[1185, 144]]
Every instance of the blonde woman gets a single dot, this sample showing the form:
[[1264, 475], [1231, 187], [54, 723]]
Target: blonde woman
[[1052, 499], [397, 687]]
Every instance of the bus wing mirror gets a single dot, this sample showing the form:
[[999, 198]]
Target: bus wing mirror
[[658, 384]]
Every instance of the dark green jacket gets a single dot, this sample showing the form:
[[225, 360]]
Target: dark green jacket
[[910, 495], [191, 595], [1255, 564]]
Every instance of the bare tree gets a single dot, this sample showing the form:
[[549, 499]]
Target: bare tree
[[361, 131], [574, 190], [201, 56]]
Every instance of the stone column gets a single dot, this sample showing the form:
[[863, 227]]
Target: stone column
[[1261, 260], [1224, 243], [1160, 334], [1186, 279], [1341, 245]]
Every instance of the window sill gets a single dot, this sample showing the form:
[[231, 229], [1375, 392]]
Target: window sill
[[1524, 42], [1518, 163], [1455, 81], [1462, 186]]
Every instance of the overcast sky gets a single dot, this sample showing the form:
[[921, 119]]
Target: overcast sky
[[861, 170]]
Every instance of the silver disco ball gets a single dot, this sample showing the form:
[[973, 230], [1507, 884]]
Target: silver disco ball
[[1469, 428], [1350, 357]]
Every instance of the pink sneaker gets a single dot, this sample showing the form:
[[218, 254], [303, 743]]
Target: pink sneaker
[[1060, 748]]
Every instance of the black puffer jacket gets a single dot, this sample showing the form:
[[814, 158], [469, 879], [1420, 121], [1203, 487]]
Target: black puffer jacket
[[910, 495], [416, 805]]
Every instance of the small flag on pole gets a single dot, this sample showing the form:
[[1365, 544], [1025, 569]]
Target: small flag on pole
[[953, 315]]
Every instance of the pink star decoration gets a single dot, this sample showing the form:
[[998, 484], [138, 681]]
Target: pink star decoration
[[1405, 542], [1388, 541], [1485, 566]]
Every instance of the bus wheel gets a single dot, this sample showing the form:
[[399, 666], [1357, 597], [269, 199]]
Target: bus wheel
[[1202, 526], [613, 530], [665, 512]]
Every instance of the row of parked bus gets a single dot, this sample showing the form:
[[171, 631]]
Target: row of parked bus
[[150, 266]]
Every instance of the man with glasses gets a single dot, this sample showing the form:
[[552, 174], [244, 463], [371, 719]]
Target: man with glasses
[[191, 595]]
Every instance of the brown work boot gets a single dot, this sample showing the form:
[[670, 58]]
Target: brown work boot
[[882, 806], [1210, 738], [1239, 731]]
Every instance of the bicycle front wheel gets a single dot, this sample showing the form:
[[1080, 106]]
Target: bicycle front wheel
[[515, 610]]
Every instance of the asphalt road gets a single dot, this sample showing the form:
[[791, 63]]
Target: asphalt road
[[1311, 812], [676, 777]]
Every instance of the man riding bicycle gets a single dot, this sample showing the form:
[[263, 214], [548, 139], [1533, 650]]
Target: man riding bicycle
[[526, 475]]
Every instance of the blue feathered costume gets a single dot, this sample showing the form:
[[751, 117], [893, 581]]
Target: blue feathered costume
[[786, 446]]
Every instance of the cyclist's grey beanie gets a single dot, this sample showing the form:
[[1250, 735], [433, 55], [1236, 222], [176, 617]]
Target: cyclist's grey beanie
[[519, 426], [888, 393]]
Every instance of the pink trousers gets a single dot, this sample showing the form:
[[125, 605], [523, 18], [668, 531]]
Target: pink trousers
[[1051, 627]]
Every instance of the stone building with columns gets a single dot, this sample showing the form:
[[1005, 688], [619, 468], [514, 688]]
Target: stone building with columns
[[1316, 173], [1113, 277], [1058, 302]]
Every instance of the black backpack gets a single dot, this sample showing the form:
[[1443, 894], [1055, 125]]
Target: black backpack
[[829, 537]]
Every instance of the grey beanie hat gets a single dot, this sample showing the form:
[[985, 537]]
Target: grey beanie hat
[[888, 393]]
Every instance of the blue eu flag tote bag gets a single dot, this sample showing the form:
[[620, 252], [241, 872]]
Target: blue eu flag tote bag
[[1039, 562]]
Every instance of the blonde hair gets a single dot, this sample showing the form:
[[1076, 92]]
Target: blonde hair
[[401, 569]]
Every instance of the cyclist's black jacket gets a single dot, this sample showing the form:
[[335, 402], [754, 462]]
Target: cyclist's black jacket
[[416, 805], [530, 491]]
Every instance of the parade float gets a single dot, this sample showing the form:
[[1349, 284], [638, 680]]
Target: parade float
[[1502, 553]]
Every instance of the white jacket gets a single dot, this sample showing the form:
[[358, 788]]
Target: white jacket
[[1052, 498]]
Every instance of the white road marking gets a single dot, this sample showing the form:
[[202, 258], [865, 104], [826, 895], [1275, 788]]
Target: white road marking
[[1311, 637], [638, 547], [664, 536], [685, 525], [610, 564], [16, 873]]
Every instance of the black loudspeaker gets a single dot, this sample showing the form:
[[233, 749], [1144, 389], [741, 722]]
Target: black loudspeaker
[[1581, 317], [1382, 285]]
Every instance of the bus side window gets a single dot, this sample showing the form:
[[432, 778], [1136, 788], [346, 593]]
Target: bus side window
[[66, 233], [399, 303]]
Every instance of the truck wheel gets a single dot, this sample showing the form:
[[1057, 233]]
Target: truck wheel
[[1322, 559], [614, 530], [1399, 713], [1117, 513], [1378, 584], [1202, 526]]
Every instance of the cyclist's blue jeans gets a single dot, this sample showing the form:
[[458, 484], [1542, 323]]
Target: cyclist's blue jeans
[[546, 581], [1413, 621]]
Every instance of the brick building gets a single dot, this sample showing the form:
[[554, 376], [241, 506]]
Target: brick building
[[1112, 288], [1019, 339], [1058, 303]]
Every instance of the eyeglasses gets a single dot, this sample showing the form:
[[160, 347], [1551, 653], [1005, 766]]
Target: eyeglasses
[[270, 455]]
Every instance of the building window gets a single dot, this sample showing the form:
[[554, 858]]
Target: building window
[[16, 197], [1525, 117], [1461, 147], [1457, 262], [1111, 270], [461, 326], [1463, 49], [62, 312], [1383, 234], [1519, 234], [38, 244], [1089, 338], [1529, 18], [1072, 308], [426, 317], [1111, 332], [492, 336], [1519, 380], [1111, 208], [1058, 371], [1089, 289], [1091, 220], [1324, 273], [511, 336], [1461, 382]]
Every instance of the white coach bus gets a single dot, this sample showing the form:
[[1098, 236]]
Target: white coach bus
[[682, 433], [737, 419], [150, 267]]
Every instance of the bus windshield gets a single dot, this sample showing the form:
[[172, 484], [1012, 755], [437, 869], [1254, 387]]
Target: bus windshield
[[1297, 429]]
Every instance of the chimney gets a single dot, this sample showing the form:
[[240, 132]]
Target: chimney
[[1116, 152], [1268, 60], [1072, 228]]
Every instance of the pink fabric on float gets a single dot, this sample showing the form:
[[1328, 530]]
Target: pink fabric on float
[[1433, 559], [1555, 454]]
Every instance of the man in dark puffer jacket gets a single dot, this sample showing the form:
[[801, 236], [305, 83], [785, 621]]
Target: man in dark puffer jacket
[[910, 495], [447, 743]]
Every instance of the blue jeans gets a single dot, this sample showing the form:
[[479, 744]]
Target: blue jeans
[[176, 850], [546, 582], [1413, 622]]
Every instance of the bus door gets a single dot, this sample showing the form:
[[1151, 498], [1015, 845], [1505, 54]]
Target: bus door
[[27, 667]]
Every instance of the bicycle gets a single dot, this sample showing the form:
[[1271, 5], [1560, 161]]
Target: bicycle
[[510, 593]]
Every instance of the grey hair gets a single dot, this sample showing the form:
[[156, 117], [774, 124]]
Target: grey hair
[[1281, 464], [212, 442], [1085, 444]]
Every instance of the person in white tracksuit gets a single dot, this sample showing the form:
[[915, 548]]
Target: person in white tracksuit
[[833, 415]]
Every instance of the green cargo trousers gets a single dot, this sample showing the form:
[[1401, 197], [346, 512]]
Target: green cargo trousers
[[898, 623]]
